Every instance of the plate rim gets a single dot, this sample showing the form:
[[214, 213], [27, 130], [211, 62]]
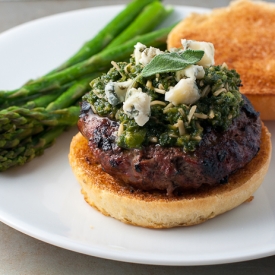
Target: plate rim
[[54, 240]]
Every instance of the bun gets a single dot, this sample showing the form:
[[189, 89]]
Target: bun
[[156, 210], [244, 38]]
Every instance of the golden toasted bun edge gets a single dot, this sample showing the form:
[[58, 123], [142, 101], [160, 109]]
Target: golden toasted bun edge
[[156, 210]]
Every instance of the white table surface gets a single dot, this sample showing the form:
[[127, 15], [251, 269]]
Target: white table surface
[[21, 254]]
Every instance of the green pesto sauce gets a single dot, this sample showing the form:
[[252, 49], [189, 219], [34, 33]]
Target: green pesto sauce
[[219, 103]]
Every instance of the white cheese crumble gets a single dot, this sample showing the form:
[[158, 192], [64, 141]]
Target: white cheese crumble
[[144, 55], [137, 106], [185, 92], [193, 71], [116, 91], [139, 48], [208, 48]]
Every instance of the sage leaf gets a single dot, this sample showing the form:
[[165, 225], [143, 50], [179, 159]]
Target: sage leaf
[[171, 62]]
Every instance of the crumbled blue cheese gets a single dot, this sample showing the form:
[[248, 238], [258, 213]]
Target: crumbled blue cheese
[[185, 92], [137, 106], [139, 48], [116, 91], [131, 91], [144, 55], [192, 71], [148, 54], [208, 48]]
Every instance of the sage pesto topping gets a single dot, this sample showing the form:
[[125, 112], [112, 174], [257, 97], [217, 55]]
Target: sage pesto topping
[[156, 103]]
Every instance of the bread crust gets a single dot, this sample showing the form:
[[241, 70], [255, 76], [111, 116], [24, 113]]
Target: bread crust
[[243, 36], [155, 209]]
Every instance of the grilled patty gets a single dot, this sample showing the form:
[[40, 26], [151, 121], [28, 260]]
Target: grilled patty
[[170, 169]]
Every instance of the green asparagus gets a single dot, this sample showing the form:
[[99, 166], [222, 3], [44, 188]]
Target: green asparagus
[[151, 16], [33, 100], [29, 148], [98, 62], [20, 117], [43, 101], [108, 33], [72, 94], [17, 123]]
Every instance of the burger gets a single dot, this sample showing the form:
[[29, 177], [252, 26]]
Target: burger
[[168, 140]]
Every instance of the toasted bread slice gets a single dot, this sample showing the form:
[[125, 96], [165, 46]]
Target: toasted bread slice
[[244, 38], [154, 209]]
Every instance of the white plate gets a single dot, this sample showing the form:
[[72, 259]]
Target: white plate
[[43, 200]]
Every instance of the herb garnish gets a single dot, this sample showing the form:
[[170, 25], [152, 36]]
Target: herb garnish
[[172, 62]]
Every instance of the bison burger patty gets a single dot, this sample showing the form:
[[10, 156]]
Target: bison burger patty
[[170, 169]]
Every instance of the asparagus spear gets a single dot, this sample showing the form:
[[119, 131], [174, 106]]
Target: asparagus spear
[[11, 139], [70, 92], [108, 33], [35, 100], [73, 94], [29, 148], [25, 133], [20, 117], [20, 124], [17, 123], [98, 62], [43, 101], [151, 16]]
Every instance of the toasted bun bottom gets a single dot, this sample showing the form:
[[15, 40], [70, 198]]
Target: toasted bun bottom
[[155, 209]]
